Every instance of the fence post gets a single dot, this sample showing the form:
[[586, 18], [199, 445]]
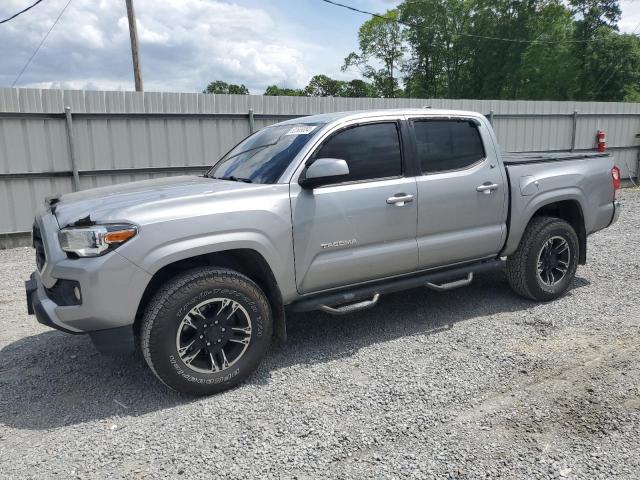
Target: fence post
[[574, 130], [252, 125], [72, 153], [491, 117]]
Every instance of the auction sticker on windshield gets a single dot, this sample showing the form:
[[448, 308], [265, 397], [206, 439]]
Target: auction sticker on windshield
[[301, 130]]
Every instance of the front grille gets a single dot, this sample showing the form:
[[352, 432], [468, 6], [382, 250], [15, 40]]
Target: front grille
[[41, 257]]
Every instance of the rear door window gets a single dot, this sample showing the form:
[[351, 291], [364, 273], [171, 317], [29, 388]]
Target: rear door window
[[444, 145]]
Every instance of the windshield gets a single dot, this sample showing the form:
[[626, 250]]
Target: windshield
[[264, 156]]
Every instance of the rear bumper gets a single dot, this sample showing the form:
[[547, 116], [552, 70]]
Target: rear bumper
[[617, 206]]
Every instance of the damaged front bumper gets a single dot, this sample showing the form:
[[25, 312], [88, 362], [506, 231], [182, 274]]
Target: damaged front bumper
[[40, 305], [81, 295]]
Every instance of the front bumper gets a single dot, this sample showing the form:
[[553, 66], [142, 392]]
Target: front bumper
[[42, 307], [112, 341], [111, 287]]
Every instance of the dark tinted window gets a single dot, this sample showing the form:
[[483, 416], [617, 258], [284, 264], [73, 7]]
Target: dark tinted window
[[371, 151], [447, 144]]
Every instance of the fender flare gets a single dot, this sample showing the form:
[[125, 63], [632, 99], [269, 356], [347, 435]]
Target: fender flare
[[518, 225]]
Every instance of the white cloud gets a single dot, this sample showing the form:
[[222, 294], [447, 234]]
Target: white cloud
[[630, 16], [184, 45]]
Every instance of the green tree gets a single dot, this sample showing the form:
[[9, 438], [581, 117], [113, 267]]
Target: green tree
[[358, 88], [381, 41], [274, 90], [238, 89], [324, 86], [457, 49], [632, 93], [495, 66], [219, 86], [592, 17], [491, 49], [614, 67], [549, 69], [438, 65]]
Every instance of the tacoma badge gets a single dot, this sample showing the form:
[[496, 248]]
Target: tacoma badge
[[339, 243]]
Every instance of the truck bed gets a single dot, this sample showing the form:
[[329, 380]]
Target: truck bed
[[537, 179], [531, 157]]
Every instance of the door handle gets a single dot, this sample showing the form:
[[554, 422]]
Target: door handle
[[487, 188], [400, 199]]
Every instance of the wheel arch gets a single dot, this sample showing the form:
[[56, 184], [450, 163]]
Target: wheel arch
[[247, 261], [571, 212], [567, 204]]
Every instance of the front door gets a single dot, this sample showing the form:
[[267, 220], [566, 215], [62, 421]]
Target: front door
[[462, 192], [356, 230]]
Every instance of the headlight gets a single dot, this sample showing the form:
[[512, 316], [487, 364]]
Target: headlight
[[95, 240]]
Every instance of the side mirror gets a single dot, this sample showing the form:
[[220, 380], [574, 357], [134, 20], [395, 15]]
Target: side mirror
[[323, 171]]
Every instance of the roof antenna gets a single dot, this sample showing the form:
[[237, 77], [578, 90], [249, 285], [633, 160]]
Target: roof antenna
[[427, 106]]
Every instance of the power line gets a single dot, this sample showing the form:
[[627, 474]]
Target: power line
[[20, 12], [470, 35], [39, 46]]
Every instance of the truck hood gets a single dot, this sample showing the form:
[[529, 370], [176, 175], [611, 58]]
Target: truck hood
[[132, 201]]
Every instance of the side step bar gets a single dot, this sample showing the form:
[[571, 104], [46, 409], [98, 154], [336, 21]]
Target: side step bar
[[366, 296], [352, 307], [451, 285]]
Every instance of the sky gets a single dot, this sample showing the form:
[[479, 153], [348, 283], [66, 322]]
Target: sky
[[185, 44]]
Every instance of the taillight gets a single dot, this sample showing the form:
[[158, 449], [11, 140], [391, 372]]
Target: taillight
[[615, 176]]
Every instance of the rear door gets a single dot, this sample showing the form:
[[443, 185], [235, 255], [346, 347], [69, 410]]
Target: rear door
[[462, 191], [355, 230]]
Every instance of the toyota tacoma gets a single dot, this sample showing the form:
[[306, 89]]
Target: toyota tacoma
[[325, 212]]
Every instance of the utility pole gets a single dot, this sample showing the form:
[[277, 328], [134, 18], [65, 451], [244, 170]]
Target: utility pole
[[133, 33]]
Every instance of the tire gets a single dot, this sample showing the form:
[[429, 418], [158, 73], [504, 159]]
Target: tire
[[543, 238], [211, 310]]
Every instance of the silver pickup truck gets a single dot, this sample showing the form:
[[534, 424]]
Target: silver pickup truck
[[325, 212]]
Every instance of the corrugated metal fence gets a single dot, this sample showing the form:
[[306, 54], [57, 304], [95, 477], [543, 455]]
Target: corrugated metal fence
[[55, 141]]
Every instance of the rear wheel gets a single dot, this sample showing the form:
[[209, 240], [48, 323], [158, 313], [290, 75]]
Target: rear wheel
[[206, 330], [546, 260]]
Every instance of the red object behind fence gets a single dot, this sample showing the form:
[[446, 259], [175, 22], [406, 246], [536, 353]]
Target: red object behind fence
[[602, 140]]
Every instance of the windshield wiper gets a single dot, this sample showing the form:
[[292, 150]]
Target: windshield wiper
[[235, 179]]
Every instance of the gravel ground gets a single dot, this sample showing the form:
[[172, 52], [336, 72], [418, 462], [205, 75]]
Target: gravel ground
[[466, 384]]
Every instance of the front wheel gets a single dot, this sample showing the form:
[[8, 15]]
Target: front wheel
[[206, 330], [546, 260]]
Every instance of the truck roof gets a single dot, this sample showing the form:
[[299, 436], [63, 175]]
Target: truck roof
[[355, 114]]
